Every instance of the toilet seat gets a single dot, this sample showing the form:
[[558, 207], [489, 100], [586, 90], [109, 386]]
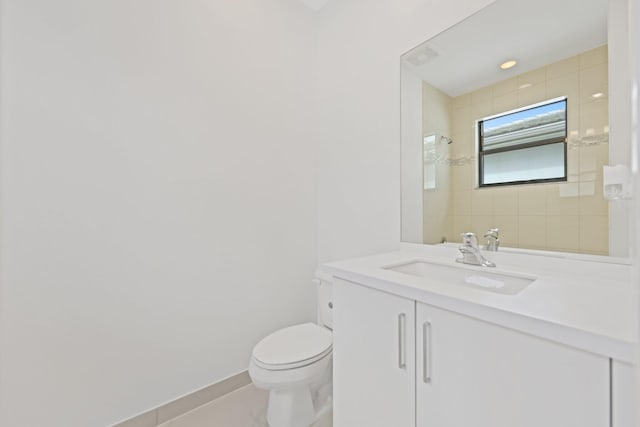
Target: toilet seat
[[295, 365], [293, 347]]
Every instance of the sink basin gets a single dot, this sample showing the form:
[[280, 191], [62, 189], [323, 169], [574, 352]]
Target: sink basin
[[482, 278]]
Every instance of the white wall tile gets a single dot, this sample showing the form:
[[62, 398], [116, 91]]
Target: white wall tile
[[562, 200], [562, 68], [532, 231], [505, 200], [532, 77], [505, 102], [593, 57], [563, 232], [481, 202], [504, 87], [532, 200], [532, 94], [594, 234], [594, 80]]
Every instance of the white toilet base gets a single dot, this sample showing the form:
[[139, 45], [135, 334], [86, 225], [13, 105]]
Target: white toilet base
[[291, 408], [300, 393]]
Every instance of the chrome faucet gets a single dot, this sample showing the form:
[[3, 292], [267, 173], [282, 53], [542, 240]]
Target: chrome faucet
[[493, 242], [471, 252]]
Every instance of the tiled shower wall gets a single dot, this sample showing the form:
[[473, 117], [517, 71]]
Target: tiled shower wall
[[571, 216]]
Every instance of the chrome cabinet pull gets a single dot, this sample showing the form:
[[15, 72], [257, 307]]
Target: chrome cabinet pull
[[402, 337], [426, 350]]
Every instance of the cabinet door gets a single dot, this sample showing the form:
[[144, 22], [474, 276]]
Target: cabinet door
[[473, 373], [373, 357], [623, 398]]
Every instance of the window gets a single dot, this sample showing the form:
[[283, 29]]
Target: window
[[524, 146]]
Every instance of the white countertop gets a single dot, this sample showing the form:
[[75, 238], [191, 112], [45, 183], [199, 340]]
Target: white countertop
[[581, 301]]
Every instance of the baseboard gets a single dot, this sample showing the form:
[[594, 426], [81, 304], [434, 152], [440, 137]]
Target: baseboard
[[184, 404]]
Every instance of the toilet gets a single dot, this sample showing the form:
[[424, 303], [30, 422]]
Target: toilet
[[295, 365]]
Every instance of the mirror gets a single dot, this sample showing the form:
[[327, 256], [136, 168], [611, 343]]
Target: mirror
[[454, 81]]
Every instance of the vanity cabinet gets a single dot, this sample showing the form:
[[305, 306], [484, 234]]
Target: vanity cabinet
[[474, 373], [373, 358], [400, 363]]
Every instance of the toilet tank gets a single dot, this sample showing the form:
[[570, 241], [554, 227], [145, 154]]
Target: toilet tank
[[324, 284]]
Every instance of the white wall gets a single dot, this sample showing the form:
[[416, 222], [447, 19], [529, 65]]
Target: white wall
[[359, 47], [158, 199], [157, 184], [634, 43], [411, 184]]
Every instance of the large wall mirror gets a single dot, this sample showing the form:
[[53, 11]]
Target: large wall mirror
[[508, 119]]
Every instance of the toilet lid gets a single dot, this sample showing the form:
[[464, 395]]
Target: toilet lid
[[294, 345]]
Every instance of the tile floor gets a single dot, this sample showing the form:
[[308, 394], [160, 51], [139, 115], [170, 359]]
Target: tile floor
[[245, 407]]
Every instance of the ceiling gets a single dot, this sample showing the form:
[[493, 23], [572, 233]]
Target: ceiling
[[467, 56]]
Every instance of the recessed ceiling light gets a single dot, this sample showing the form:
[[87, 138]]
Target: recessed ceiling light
[[508, 64], [524, 86], [597, 95]]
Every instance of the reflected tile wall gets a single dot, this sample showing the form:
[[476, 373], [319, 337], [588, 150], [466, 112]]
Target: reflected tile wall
[[571, 216]]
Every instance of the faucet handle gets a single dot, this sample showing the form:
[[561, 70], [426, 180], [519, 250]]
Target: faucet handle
[[492, 232], [492, 240], [470, 239]]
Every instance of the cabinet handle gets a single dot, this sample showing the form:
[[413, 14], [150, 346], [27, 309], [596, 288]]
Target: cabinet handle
[[426, 350], [402, 334]]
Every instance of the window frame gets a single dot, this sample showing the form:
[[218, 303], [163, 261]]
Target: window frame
[[481, 152]]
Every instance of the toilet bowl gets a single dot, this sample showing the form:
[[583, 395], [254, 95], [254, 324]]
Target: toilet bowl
[[295, 365]]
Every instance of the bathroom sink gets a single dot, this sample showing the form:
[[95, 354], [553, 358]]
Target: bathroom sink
[[482, 278]]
